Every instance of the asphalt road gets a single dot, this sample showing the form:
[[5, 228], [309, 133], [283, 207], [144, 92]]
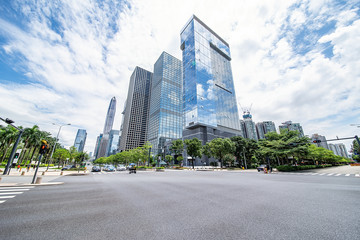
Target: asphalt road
[[186, 205]]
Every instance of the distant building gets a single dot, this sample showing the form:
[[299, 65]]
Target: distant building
[[109, 121], [290, 126], [166, 116], [97, 145], [339, 149], [265, 127], [80, 140], [323, 143], [249, 126], [134, 127], [113, 143]]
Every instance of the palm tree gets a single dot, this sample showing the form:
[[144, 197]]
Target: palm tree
[[29, 133], [9, 136]]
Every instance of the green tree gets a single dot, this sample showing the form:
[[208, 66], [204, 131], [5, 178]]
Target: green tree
[[177, 147], [220, 147], [61, 154], [193, 149]]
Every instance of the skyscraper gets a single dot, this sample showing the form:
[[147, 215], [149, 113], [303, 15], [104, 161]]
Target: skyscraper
[[249, 127], [265, 127], [80, 140], [290, 126], [323, 143], [112, 147], [165, 116], [209, 101], [109, 121], [136, 114]]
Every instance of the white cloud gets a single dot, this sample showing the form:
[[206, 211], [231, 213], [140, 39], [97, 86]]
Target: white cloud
[[79, 67]]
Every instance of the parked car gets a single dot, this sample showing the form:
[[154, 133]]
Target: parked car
[[96, 169], [121, 168], [109, 168], [68, 167], [261, 167]]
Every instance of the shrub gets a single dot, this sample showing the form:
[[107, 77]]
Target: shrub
[[287, 168]]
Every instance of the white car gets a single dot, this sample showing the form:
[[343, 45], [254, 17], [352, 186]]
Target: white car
[[121, 168]]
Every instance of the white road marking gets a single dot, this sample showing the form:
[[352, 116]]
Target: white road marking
[[315, 174], [321, 174], [13, 190], [7, 193], [331, 174], [4, 197], [1, 188], [2, 201], [337, 174], [347, 175], [357, 175]]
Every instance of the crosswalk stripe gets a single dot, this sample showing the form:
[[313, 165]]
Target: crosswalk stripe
[[4, 197], [347, 175], [1, 188], [7, 193], [13, 190], [337, 174], [357, 175], [330, 174], [315, 174], [2, 201], [321, 174]]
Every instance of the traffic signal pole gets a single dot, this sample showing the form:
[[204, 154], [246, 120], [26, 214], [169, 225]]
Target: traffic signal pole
[[11, 158], [33, 181]]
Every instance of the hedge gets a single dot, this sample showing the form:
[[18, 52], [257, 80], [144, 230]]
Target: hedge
[[287, 168]]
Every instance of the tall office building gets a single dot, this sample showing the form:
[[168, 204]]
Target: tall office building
[[209, 101], [249, 127], [109, 121], [290, 126], [136, 114], [113, 143], [341, 149], [165, 116], [323, 143], [80, 140], [265, 127]]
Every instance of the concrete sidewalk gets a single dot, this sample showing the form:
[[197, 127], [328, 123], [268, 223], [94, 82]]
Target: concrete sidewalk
[[24, 178]]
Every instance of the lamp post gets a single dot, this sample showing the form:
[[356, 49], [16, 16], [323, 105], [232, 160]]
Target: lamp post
[[57, 138]]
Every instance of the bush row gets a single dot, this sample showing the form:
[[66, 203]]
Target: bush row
[[287, 168]]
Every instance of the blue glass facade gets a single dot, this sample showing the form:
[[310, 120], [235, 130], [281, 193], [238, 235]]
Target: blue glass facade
[[165, 115], [113, 144], [209, 95], [80, 140]]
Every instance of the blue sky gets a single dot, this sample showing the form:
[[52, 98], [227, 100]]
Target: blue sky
[[62, 61]]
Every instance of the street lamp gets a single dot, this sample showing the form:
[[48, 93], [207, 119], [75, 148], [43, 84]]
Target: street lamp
[[57, 138]]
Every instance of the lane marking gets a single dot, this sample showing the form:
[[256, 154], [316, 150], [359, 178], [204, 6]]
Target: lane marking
[[5, 197], [331, 174], [315, 174], [337, 174], [2, 201], [357, 175], [13, 190], [347, 175], [8, 193], [321, 174], [15, 187]]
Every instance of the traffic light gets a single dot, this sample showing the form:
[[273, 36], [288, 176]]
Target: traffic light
[[317, 141], [44, 147], [16, 156]]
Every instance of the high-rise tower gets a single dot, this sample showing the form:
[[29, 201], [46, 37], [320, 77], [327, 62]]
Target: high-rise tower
[[165, 116], [109, 121], [80, 140], [209, 101], [136, 113]]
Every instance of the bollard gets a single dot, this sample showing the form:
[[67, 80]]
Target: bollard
[[38, 180], [23, 173], [43, 173], [62, 173], [0, 179]]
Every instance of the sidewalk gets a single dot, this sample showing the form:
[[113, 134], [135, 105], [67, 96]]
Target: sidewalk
[[24, 178]]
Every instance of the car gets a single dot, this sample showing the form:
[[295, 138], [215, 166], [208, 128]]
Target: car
[[261, 167], [121, 168], [68, 167], [96, 169], [109, 168]]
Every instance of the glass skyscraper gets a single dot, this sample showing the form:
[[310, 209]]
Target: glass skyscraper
[[165, 116], [249, 127], [113, 142], [290, 126], [209, 100], [80, 140], [109, 121], [134, 127]]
